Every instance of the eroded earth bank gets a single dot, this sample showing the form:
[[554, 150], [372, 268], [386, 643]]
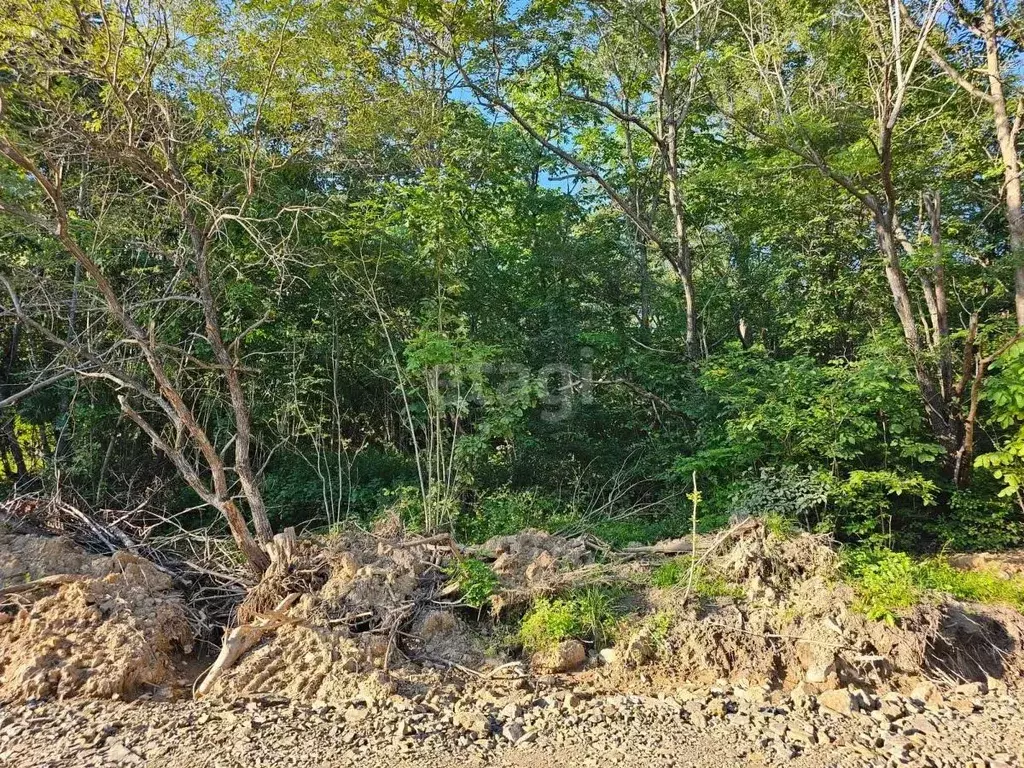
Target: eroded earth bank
[[378, 648]]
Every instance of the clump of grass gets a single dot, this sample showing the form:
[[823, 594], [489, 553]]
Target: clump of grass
[[975, 586], [889, 582], [660, 624], [670, 572], [706, 584], [587, 614]]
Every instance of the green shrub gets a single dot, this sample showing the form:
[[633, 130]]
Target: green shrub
[[779, 525], [1005, 391], [977, 519], [784, 493], [477, 581], [660, 625], [587, 614], [884, 581], [868, 502]]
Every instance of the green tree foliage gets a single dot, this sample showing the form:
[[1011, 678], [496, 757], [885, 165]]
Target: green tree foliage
[[492, 265]]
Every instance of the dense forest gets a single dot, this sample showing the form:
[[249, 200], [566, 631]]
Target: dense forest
[[581, 265]]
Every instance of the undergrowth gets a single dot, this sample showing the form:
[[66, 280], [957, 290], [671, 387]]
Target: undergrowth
[[477, 581], [888, 582], [706, 584], [588, 614]]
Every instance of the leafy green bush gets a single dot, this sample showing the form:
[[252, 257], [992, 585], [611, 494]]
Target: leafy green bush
[[1005, 391], [884, 581], [477, 581], [867, 502], [779, 525], [784, 492], [977, 519], [587, 614]]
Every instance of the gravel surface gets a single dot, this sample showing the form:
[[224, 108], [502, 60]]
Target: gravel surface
[[724, 726]]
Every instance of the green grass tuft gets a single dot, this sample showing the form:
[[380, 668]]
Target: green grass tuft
[[889, 582], [706, 584]]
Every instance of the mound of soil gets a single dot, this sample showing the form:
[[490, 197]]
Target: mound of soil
[[365, 605], [360, 618], [1004, 564], [77, 624], [796, 625]]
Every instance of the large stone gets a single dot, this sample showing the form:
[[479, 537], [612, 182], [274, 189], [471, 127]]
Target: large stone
[[473, 722], [641, 648], [928, 694], [121, 755], [356, 714], [842, 702], [565, 657], [816, 653], [513, 731]]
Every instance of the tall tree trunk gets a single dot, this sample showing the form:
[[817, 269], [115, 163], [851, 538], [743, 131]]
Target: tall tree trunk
[[7, 430], [937, 285], [939, 422], [644, 268], [11, 438], [668, 129], [1007, 151], [239, 406]]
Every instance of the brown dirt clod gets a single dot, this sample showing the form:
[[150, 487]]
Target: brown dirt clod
[[113, 628]]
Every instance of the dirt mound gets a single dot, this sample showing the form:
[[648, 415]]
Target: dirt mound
[[365, 604], [362, 616], [1004, 564], [532, 557], [24, 558], [792, 622], [531, 563], [75, 624]]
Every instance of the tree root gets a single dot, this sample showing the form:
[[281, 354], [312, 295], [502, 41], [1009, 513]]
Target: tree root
[[239, 640]]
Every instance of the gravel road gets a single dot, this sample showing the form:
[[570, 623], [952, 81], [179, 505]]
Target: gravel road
[[723, 726]]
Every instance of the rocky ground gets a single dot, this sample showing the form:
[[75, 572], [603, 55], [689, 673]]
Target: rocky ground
[[965, 726], [300, 681]]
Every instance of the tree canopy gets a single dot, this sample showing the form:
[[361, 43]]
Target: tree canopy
[[485, 265]]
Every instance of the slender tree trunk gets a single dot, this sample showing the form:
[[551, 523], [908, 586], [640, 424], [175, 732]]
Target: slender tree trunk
[[9, 432], [11, 437], [668, 130], [9, 469], [239, 406], [935, 406], [644, 269], [256, 556], [1008, 152], [938, 289]]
